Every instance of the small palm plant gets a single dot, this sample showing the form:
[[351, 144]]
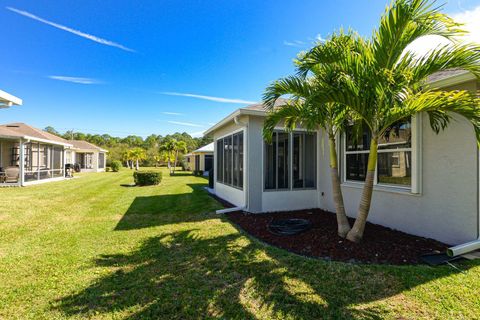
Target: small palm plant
[[382, 82], [168, 148], [137, 154], [304, 110], [180, 147]]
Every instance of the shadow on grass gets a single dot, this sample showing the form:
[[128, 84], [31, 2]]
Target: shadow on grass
[[151, 211], [198, 273]]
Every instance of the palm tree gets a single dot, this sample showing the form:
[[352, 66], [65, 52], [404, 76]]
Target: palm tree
[[168, 147], [127, 157], [180, 147], [302, 109], [137, 154], [383, 82]]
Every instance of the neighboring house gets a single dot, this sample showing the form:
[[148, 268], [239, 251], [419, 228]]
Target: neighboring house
[[89, 157], [29, 155], [201, 159], [426, 184]]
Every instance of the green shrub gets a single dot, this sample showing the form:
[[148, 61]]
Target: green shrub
[[147, 178], [200, 173], [108, 169], [116, 165]]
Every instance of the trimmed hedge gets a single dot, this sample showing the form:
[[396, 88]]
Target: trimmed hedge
[[147, 178], [115, 165]]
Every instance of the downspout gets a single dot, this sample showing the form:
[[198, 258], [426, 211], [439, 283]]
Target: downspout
[[475, 244]]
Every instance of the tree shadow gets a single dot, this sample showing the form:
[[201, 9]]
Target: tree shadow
[[199, 273], [157, 210]]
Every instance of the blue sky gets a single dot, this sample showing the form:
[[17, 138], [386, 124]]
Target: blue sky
[[122, 68]]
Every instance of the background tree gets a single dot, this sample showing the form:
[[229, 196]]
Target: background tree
[[168, 147], [180, 147]]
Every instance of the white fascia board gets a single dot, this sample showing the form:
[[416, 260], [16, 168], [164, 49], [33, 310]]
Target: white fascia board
[[47, 141], [451, 81], [230, 117], [9, 99]]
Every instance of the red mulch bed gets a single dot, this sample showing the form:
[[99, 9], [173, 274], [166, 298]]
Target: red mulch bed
[[380, 245]]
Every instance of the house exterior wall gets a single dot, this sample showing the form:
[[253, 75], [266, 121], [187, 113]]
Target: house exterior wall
[[233, 195], [446, 209], [75, 156], [445, 205]]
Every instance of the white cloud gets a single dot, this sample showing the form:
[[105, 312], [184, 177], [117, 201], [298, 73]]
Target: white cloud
[[76, 32], [295, 43], [210, 98], [75, 79], [471, 20], [173, 113], [188, 124], [197, 134]]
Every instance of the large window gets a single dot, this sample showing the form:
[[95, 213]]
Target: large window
[[394, 162], [295, 169], [230, 160]]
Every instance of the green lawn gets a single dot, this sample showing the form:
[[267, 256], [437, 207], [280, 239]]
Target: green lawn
[[89, 247]]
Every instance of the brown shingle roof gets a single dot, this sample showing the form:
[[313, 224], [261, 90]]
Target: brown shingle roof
[[261, 106], [84, 145], [19, 129]]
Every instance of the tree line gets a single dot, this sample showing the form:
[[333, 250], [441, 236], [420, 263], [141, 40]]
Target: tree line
[[133, 150]]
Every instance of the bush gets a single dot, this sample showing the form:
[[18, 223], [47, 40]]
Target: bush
[[147, 178], [108, 169], [116, 165]]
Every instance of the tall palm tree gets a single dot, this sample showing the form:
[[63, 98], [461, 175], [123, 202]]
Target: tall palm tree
[[168, 147], [302, 109], [137, 154], [180, 147], [127, 157], [383, 82]]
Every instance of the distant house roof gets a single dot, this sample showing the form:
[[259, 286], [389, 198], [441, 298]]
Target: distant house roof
[[24, 131], [205, 149], [8, 100], [84, 145]]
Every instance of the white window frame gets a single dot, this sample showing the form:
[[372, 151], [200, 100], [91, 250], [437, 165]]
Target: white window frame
[[290, 161], [230, 134], [415, 149]]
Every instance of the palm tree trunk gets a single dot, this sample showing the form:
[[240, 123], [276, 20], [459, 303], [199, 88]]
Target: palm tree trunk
[[137, 165], [356, 234], [342, 221], [175, 163]]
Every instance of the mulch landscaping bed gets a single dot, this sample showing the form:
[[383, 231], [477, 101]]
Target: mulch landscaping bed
[[380, 244]]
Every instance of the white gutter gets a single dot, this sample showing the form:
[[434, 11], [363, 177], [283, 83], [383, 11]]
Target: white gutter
[[230, 210]]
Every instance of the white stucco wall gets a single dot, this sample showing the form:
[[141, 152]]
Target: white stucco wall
[[233, 195], [446, 209]]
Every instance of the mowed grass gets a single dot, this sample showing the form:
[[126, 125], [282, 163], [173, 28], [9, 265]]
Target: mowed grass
[[90, 248]]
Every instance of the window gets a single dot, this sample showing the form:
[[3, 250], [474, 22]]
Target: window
[[394, 162], [230, 160], [295, 169], [101, 160]]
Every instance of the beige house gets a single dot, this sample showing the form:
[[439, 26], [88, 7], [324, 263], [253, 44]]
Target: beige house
[[87, 156], [201, 159], [425, 184]]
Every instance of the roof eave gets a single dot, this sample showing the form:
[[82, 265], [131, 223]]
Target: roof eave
[[231, 116], [452, 80]]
